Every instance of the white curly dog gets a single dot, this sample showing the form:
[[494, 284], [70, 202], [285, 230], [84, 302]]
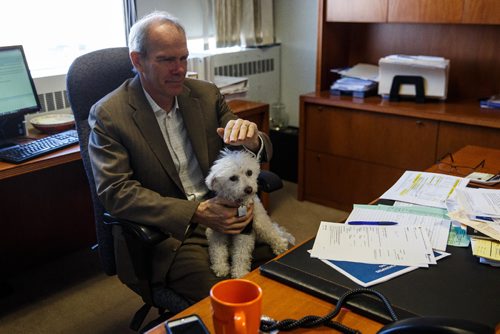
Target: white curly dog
[[234, 176]]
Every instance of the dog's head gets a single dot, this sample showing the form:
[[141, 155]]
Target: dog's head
[[234, 176]]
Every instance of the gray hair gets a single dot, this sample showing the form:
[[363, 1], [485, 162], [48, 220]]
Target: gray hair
[[139, 33]]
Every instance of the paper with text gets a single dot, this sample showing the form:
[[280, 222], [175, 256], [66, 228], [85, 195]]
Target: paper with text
[[399, 245], [424, 188], [480, 202], [488, 249], [435, 222]]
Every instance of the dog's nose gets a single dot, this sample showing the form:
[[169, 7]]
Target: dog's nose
[[248, 190]]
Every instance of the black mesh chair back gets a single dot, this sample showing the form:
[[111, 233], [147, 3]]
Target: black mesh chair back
[[91, 77]]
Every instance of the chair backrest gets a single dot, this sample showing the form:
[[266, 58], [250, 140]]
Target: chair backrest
[[90, 77]]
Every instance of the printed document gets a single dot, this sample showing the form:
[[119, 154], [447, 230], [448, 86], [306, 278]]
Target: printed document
[[423, 188], [480, 202], [399, 245], [434, 221]]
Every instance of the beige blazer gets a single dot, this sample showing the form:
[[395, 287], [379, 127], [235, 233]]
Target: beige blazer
[[134, 173]]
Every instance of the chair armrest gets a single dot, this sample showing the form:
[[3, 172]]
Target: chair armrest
[[269, 181], [148, 234]]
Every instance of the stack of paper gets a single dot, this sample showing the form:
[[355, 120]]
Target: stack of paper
[[358, 80], [232, 87], [433, 70], [479, 209], [372, 254]]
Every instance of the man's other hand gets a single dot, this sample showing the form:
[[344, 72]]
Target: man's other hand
[[222, 216]]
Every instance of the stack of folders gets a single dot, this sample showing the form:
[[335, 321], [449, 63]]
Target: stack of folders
[[380, 242], [358, 81]]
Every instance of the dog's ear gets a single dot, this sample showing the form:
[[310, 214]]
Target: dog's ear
[[211, 181]]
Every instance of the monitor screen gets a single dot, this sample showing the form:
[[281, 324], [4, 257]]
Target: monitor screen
[[18, 94]]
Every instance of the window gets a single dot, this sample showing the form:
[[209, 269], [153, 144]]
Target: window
[[54, 32]]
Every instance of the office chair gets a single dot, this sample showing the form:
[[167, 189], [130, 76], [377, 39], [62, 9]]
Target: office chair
[[90, 77]]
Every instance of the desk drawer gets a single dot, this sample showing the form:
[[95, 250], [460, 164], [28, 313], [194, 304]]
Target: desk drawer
[[395, 141]]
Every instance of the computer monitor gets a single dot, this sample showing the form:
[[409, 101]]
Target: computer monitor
[[18, 95]]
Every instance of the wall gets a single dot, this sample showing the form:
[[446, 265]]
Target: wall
[[296, 28]]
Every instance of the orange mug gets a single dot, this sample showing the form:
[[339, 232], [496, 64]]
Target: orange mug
[[236, 306]]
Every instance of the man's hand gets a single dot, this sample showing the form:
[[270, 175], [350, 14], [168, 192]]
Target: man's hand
[[241, 132], [222, 216]]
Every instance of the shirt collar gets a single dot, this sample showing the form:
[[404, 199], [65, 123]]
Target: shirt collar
[[156, 108]]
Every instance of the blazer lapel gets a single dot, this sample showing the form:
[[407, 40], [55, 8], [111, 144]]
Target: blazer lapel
[[145, 120], [194, 122]]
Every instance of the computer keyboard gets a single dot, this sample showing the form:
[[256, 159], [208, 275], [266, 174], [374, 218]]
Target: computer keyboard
[[38, 147]]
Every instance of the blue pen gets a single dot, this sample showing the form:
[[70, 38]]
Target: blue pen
[[379, 223]]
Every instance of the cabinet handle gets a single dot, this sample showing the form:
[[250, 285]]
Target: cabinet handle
[[419, 123], [320, 108]]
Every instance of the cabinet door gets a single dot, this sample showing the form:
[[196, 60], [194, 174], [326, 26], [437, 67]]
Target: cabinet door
[[390, 140], [425, 11], [482, 11], [453, 137], [340, 182], [356, 10]]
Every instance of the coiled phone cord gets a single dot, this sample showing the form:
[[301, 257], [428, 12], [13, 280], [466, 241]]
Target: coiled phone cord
[[312, 321]]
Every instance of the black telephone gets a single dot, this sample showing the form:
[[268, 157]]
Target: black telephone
[[435, 325]]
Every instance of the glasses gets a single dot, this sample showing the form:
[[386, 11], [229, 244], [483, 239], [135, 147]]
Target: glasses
[[452, 167]]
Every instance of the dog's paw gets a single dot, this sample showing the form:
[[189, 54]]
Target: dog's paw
[[280, 246], [221, 269], [238, 272]]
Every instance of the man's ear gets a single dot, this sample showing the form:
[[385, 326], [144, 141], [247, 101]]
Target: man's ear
[[135, 58]]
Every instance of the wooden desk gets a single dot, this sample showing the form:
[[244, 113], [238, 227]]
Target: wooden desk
[[45, 206], [282, 302]]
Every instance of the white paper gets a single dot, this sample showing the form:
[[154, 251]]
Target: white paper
[[437, 228], [430, 189], [480, 202], [399, 245]]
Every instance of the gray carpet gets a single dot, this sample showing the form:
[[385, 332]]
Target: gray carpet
[[71, 295]]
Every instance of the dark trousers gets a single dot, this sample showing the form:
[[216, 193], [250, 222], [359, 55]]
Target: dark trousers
[[190, 274]]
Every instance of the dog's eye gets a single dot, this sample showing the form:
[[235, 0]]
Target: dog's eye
[[233, 178], [249, 172]]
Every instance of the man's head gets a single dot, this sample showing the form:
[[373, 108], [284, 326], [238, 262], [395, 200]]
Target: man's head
[[158, 50]]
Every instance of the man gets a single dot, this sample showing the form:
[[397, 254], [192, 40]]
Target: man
[[151, 145]]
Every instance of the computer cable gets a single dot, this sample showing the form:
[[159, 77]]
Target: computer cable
[[312, 321]]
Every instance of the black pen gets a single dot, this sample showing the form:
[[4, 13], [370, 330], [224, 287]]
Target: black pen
[[378, 223]]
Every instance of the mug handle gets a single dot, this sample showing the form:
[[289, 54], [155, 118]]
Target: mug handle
[[240, 323]]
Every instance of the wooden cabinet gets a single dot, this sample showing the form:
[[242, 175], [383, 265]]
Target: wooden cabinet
[[428, 11], [482, 11], [350, 155], [416, 11], [378, 138], [352, 152], [357, 11]]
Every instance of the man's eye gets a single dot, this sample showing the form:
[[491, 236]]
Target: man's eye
[[162, 59], [249, 172], [233, 178]]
